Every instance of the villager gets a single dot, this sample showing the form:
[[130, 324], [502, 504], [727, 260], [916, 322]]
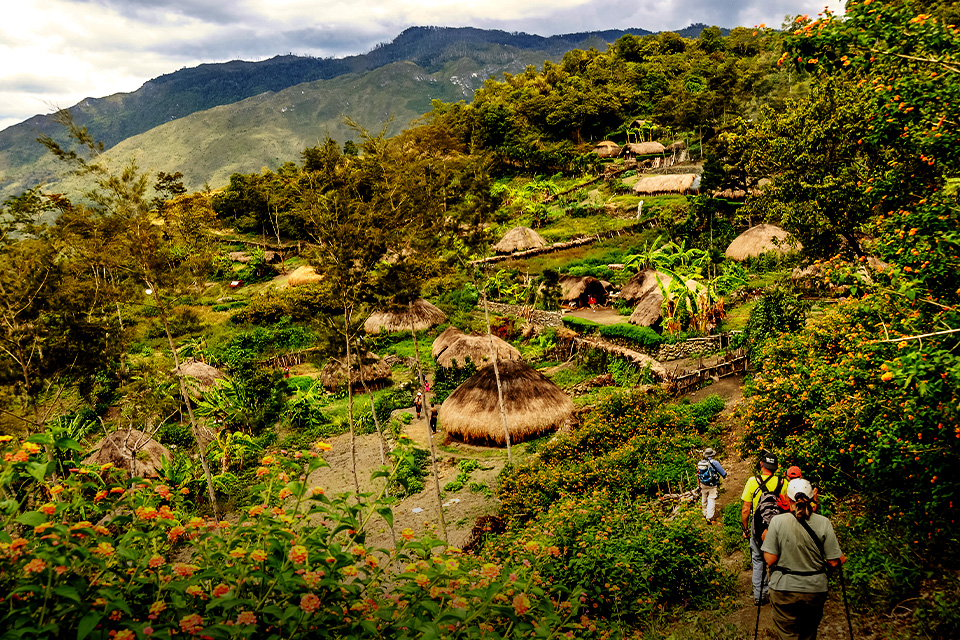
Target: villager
[[592, 302], [799, 547], [433, 419], [418, 404], [765, 486], [709, 472]]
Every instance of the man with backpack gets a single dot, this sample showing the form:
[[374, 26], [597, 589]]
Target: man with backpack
[[709, 472], [759, 506]]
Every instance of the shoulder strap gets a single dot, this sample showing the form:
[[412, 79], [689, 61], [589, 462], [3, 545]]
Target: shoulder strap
[[817, 541], [823, 555]]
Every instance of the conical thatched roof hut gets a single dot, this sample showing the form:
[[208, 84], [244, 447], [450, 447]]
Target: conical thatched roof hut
[[682, 183], [450, 335], [534, 405], [419, 315], [376, 373], [520, 239], [304, 274], [476, 348], [200, 375], [607, 149], [131, 450], [641, 149], [762, 238], [643, 282], [650, 303], [576, 290]]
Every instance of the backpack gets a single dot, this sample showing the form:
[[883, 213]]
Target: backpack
[[767, 507], [707, 473]]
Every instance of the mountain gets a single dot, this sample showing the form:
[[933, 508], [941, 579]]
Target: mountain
[[214, 119]]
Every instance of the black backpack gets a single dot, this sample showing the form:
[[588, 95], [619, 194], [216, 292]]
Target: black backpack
[[767, 507]]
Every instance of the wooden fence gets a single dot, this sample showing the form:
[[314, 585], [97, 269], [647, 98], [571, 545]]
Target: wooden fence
[[734, 362]]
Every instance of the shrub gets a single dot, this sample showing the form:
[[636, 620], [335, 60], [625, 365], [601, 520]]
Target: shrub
[[580, 325], [465, 468], [643, 336]]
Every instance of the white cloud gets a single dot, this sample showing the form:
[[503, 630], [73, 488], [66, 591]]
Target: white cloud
[[58, 52]]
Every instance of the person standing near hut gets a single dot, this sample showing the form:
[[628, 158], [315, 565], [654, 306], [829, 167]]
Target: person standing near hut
[[418, 403], [434, 412], [799, 547]]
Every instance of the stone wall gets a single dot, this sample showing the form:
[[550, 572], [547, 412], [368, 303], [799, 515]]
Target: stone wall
[[693, 346], [537, 316]]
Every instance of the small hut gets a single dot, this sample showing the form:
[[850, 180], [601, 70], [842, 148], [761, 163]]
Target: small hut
[[376, 373], [450, 335], [642, 283], [304, 274], [760, 239], [419, 315], [533, 405], [675, 147], [520, 239], [682, 183], [576, 291], [200, 375], [637, 149], [650, 303], [474, 348], [607, 149], [131, 450]]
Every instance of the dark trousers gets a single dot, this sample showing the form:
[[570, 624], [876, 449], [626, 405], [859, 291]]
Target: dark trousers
[[796, 615]]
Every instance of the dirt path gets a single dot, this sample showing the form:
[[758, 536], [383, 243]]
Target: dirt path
[[601, 315]]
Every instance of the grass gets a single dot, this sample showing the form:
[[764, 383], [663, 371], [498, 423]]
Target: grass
[[737, 317]]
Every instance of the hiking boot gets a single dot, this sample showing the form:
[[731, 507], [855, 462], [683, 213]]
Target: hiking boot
[[762, 601]]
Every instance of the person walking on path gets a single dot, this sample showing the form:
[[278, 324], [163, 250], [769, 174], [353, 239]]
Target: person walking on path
[[754, 489], [709, 472], [418, 404], [799, 546]]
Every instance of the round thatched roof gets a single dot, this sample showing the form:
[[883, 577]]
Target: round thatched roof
[[420, 315], [650, 302], [450, 335], [131, 450], [642, 148], [641, 283], [680, 183], [762, 238], [534, 405], [520, 239], [304, 274], [578, 289], [205, 374], [607, 149], [476, 348], [376, 372]]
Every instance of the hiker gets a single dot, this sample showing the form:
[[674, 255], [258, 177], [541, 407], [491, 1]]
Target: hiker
[[418, 403], [709, 472], [793, 473], [798, 547], [433, 419], [763, 488]]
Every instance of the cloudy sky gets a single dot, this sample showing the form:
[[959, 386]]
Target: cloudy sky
[[57, 52]]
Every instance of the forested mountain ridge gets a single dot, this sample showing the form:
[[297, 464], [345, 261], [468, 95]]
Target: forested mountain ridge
[[176, 95]]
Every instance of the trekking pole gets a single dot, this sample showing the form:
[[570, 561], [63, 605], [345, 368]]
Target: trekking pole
[[763, 577], [846, 607]]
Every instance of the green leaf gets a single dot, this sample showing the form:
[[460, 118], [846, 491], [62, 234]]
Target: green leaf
[[40, 438], [68, 443], [387, 514], [31, 518], [38, 470], [88, 623], [67, 592]]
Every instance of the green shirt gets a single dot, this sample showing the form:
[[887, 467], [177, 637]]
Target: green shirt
[[797, 551]]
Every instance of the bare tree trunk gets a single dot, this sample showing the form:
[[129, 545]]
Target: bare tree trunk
[[347, 313], [186, 400], [433, 451], [496, 375], [383, 446]]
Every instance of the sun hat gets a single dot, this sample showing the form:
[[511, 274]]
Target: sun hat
[[794, 472], [768, 461], [709, 452], [799, 487]]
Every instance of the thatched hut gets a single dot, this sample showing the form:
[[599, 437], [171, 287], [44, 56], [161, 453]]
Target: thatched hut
[[636, 149], [519, 239], [304, 274], [376, 373], [650, 303], [533, 405], [577, 290], [641, 283], [474, 348], [675, 146], [450, 335], [200, 376], [760, 239], [682, 183], [131, 450], [607, 149], [419, 315]]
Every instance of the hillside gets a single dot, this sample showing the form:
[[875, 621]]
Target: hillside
[[463, 57]]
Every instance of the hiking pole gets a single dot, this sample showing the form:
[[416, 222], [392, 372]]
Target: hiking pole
[[763, 577], [846, 607]]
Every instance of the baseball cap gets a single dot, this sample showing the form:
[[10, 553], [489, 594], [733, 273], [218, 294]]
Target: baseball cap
[[799, 486], [709, 452], [794, 472], [768, 461]]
